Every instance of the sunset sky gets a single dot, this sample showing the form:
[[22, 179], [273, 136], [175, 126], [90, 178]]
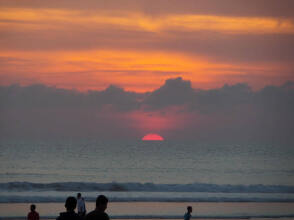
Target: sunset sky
[[136, 45]]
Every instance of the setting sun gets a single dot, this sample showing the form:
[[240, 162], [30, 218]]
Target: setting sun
[[152, 137]]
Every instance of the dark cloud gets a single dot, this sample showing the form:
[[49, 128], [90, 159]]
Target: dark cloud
[[115, 97], [232, 112], [42, 111], [225, 99], [174, 92], [40, 96]]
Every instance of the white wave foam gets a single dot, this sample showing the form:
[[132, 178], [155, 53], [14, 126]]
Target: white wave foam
[[44, 199]]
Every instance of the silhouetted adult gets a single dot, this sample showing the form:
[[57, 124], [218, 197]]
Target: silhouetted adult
[[81, 205], [188, 215], [99, 212], [70, 205], [33, 215]]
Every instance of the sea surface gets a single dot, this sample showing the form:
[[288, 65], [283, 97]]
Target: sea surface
[[219, 180]]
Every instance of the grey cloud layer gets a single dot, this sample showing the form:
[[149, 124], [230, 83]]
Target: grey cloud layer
[[233, 112]]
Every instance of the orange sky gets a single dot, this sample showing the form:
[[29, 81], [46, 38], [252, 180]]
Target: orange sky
[[84, 48]]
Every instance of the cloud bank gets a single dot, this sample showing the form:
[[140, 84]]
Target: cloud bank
[[175, 110]]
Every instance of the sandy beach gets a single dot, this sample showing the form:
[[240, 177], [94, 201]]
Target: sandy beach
[[159, 210]]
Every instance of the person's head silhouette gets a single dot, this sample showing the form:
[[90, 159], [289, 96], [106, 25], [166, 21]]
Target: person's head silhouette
[[101, 203], [189, 209], [70, 203], [33, 207]]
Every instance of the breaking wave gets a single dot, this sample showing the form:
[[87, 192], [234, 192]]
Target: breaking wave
[[143, 187]]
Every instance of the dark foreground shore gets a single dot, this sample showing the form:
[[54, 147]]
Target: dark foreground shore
[[284, 218]]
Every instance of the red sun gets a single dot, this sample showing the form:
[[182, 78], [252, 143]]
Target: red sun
[[152, 137]]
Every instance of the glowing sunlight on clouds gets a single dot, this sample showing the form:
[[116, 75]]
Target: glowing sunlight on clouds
[[42, 18], [91, 48]]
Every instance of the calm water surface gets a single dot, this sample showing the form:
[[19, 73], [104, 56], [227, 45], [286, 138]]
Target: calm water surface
[[138, 161]]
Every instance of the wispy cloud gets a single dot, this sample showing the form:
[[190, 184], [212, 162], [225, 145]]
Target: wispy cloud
[[30, 19]]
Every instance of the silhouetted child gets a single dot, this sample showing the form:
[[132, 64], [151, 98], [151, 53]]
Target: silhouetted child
[[99, 212], [33, 215], [81, 205], [70, 205], [188, 215]]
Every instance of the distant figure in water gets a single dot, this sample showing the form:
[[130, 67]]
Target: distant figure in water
[[81, 205], [33, 215], [99, 212], [188, 215], [70, 205]]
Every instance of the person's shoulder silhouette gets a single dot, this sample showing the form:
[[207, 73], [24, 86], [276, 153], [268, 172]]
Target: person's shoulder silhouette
[[95, 215], [188, 215], [33, 215]]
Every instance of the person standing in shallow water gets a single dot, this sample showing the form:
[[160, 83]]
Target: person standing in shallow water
[[81, 205], [99, 212], [188, 215], [33, 215], [70, 205]]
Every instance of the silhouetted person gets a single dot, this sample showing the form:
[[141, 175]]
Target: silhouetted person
[[188, 215], [99, 212], [70, 205], [81, 205], [33, 215]]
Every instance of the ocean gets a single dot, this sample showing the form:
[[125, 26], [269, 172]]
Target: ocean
[[148, 179]]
